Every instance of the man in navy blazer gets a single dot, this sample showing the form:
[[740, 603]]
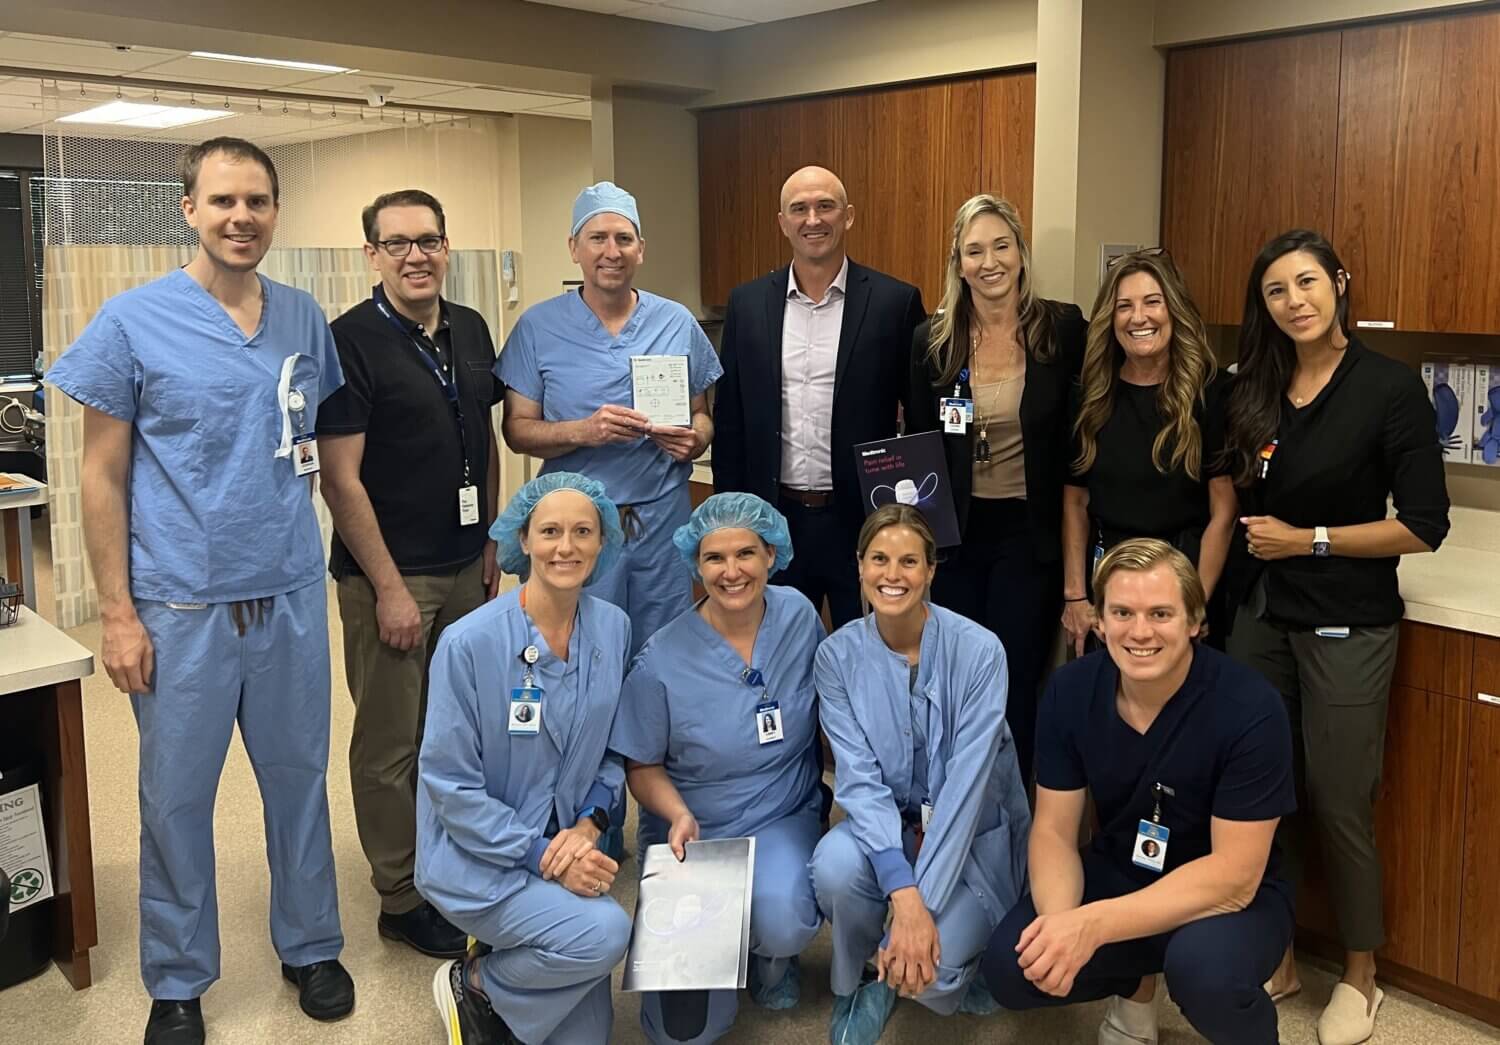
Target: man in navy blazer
[[816, 359]]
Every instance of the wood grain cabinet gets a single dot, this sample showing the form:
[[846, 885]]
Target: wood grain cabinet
[[1251, 130], [907, 155], [1438, 826], [1381, 137]]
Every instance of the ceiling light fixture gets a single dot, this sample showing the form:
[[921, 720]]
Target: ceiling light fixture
[[280, 63], [137, 114]]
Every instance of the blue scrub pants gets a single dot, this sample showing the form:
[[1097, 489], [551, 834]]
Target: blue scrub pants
[[1215, 967], [783, 920], [850, 897], [649, 581], [274, 682], [548, 975]]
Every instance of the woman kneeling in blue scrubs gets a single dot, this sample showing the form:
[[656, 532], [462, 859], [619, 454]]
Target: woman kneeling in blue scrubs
[[515, 778], [717, 723], [912, 698]]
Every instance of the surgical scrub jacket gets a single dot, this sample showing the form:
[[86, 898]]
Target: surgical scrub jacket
[[687, 706], [980, 818]]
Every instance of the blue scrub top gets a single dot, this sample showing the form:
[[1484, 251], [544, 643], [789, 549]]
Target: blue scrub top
[[215, 516], [687, 707], [1222, 744], [560, 355], [488, 799]]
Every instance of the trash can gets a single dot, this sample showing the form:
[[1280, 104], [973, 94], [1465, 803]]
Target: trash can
[[26, 946]]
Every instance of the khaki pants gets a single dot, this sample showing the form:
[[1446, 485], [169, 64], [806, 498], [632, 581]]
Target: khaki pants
[[389, 688], [1336, 693]]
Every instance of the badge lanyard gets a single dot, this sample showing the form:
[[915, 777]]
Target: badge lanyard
[[982, 445], [768, 728], [446, 383]]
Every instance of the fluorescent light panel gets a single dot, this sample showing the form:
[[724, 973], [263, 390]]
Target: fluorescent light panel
[[136, 114], [280, 63]]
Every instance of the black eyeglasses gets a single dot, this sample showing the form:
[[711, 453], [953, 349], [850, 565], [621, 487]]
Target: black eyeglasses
[[1147, 252], [400, 247]]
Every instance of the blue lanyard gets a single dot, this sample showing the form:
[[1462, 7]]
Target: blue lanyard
[[448, 385]]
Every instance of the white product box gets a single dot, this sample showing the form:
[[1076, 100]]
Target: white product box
[[1450, 387], [1486, 414]]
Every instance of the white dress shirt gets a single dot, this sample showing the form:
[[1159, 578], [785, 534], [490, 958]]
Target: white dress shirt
[[809, 357]]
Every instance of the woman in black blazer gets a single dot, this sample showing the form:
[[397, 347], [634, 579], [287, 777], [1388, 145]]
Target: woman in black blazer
[[1012, 358]]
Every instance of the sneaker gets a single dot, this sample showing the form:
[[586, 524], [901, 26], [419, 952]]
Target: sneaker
[[423, 929], [325, 989], [175, 1023], [859, 1018], [785, 993], [466, 1013], [1129, 1022]]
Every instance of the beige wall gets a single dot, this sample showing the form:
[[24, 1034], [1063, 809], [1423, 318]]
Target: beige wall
[[1192, 21], [656, 158], [336, 177], [886, 42], [1054, 205], [556, 162]]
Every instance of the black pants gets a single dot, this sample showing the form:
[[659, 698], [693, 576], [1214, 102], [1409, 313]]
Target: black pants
[[994, 579], [1215, 966], [823, 560]]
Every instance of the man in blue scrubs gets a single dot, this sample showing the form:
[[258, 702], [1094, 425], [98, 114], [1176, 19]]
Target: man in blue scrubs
[[568, 400], [1188, 757], [200, 394]]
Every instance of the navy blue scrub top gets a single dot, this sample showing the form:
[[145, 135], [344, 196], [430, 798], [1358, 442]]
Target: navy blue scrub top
[[1222, 744]]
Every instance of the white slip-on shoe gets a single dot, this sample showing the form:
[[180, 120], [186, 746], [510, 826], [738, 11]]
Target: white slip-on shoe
[[1130, 1022], [1348, 1019]]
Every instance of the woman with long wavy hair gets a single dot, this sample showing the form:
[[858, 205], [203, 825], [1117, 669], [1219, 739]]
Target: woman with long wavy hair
[[1321, 431], [1007, 359], [1148, 434]]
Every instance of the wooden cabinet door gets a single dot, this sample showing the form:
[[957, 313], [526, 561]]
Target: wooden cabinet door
[[1418, 210], [1251, 129], [1435, 659], [1479, 939], [1419, 826]]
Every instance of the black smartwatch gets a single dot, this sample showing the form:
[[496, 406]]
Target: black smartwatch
[[599, 815]]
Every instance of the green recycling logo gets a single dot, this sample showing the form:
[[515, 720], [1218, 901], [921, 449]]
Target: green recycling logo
[[24, 885]]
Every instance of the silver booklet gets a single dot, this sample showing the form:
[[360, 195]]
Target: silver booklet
[[692, 919]]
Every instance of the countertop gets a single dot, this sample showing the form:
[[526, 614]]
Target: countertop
[[1458, 586], [33, 653]]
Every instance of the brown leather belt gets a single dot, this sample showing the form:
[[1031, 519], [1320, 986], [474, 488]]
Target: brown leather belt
[[808, 498]]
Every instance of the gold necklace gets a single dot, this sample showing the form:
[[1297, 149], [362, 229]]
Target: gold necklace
[[981, 444]]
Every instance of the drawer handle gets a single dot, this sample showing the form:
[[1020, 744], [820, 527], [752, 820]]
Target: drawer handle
[[1488, 698]]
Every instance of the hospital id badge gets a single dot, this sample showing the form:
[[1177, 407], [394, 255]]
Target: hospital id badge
[[926, 815], [1150, 846], [305, 453], [468, 505], [768, 722], [525, 710], [956, 414]]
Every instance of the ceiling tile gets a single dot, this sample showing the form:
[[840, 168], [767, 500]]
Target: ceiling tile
[[764, 10], [495, 101], [230, 74], [47, 52], [356, 84], [690, 19], [604, 7]]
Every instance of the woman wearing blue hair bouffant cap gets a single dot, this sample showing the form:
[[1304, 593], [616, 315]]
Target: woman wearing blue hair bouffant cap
[[515, 780], [718, 727]]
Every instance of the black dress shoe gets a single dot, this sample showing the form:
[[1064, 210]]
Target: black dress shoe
[[175, 1023], [423, 929], [324, 989]]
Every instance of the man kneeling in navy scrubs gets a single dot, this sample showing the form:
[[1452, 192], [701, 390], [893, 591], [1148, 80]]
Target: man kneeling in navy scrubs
[[1188, 757]]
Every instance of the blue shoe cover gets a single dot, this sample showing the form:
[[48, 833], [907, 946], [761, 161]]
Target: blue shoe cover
[[785, 993], [859, 1019]]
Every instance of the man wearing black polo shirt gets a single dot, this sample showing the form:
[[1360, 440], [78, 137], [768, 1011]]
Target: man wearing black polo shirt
[[410, 473], [1188, 757]]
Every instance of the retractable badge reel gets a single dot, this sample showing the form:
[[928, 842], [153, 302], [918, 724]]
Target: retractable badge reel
[[767, 711], [1151, 836], [526, 699], [304, 443]]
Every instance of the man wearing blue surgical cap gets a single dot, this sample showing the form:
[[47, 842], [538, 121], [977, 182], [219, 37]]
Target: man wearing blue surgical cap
[[718, 725], [569, 401]]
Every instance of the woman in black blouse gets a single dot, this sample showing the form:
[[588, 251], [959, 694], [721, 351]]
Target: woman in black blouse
[[1012, 356], [1148, 434], [1321, 430]]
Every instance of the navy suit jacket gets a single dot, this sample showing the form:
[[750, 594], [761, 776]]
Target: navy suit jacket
[[870, 381]]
